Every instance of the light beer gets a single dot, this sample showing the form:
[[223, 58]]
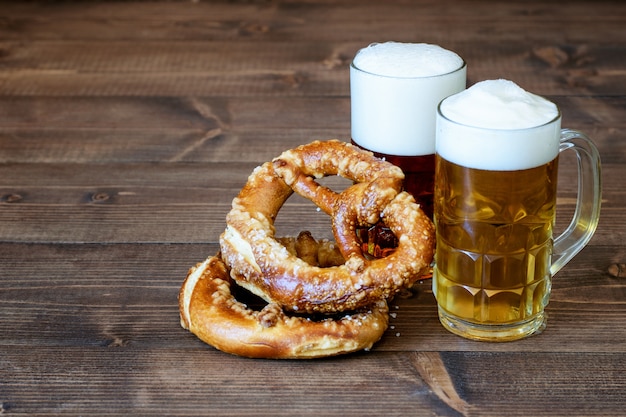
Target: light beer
[[495, 203], [494, 242], [497, 156]]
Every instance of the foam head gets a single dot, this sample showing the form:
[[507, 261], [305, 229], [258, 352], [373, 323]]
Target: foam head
[[395, 88], [497, 125], [397, 59]]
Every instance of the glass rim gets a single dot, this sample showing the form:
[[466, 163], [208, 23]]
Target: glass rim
[[415, 77], [498, 129]]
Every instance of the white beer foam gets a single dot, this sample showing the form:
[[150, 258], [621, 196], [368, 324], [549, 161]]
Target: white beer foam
[[397, 59], [497, 125], [395, 89]]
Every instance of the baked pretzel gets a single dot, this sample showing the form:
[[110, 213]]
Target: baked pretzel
[[300, 167], [209, 310], [322, 253], [267, 269]]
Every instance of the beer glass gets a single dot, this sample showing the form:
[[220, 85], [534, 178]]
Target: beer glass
[[395, 89], [495, 203]]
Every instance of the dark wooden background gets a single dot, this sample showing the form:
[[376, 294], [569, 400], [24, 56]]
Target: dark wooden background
[[126, 128]]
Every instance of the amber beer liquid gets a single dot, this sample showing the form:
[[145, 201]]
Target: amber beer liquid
[[494, 242], [496, 170], [395, 89]]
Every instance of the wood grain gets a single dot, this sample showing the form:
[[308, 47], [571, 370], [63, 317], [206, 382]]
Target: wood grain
[[126, 129]]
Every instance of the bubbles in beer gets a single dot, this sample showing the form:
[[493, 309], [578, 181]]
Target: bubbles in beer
[[495, 199]]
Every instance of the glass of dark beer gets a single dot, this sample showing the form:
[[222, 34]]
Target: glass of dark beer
[[395, 89]]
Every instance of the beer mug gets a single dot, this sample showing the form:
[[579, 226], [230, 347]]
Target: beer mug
[[395, 88], [497, 154]]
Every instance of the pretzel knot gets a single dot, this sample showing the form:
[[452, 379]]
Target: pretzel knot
[[267, 269], [209, 309]]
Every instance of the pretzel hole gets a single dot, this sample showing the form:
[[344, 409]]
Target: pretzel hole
[[377, 241], [256, 303], [287, 221]]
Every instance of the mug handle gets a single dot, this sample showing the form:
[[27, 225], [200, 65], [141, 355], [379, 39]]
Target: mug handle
[[587, 212]]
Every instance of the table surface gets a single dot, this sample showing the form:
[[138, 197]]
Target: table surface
[[126, 128]]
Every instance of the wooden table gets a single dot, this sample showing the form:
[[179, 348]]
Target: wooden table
[[126, 128]]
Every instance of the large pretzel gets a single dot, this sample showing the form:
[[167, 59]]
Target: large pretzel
[[209, 310], [268, 270]]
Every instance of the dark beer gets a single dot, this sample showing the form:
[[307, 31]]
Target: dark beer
[[419, 177], [395, 89]]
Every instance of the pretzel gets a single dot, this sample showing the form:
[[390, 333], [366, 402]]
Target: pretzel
[[209, 310], [300, 167], [267, 269], [321, 253]]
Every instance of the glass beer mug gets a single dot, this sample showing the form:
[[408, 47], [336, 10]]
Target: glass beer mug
[[497, 153], [395, 88]]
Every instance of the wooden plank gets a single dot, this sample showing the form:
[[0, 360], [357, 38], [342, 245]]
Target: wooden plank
[[191, 382], [197, 68], [301, 21], [126, 294], [187, 202], [175, 144], [206, 118], [129, 386]]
